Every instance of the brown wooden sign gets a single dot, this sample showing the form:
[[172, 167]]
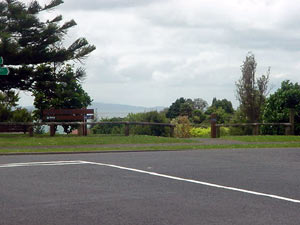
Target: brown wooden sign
[[68, 111], [68, 114]]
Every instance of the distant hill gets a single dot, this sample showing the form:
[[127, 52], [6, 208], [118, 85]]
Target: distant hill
[[123, 108], [107, 110]]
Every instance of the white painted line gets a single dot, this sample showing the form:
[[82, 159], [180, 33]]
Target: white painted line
[[196, 182], [50, 163]]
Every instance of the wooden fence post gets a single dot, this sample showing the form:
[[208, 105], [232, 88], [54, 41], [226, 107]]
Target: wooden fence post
[[172, 131], [30, 131], [127, 129], [287, 130], [218, 132], [213, 128], [255, 129], [84, 126], [52, 130], [292, 121]]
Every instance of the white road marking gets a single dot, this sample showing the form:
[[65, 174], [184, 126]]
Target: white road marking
[[50, 163], [197, 182], [62, 163]]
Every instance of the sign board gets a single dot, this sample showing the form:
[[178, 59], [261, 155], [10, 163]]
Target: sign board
[[4, 71], [88, 117]]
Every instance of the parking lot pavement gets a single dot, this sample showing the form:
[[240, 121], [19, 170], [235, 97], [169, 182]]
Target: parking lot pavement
[[240, 186]]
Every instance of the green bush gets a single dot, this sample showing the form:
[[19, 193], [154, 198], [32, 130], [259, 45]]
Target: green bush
[[153, 117], [153, 130], [109, 128], [21, 115], [200, 132], [205, 132]]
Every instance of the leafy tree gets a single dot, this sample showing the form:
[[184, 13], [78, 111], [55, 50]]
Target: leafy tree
[[174, 109], [224, 104], [200, 104], [26, 42], [251, 92], [21, 115], [186, 107], [222, 116], [8, 100], [278, 106], [64, 92], [222, 108], [198, 116], [8, 110]]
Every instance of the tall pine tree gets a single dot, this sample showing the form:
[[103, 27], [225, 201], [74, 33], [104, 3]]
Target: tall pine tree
[[26, 42]]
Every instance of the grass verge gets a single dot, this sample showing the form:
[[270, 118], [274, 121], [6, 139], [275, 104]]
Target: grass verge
[[145, 148], [18, 140]]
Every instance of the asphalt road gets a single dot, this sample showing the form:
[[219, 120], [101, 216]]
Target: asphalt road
[[256, 186]]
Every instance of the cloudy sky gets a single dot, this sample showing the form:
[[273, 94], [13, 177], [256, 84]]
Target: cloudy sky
[[151, 52]]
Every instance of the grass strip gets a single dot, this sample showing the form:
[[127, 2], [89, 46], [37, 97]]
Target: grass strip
[[18, 140], [148, 148]]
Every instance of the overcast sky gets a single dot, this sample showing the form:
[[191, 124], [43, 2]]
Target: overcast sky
[[151, 52]]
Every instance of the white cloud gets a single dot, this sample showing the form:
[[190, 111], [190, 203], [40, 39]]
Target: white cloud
[[152, 52]]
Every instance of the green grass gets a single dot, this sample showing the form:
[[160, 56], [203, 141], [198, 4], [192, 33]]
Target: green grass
[[264, 138], [148, 148], [18, 140], [16, 143]]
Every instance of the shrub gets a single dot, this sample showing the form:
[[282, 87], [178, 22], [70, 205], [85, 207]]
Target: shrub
[[21, 115], [182, 129], [200, 132], [205, 132], [154, 117], [109, 128]]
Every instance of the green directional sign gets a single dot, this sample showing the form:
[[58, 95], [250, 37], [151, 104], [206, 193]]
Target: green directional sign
[[4, 71]]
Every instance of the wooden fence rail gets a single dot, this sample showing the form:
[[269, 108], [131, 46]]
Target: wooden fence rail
[[255, 127], [127, 124]]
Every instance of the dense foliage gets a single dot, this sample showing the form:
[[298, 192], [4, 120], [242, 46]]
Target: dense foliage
[[109, 128], [9, 112], [153, 116], [193, 109], [278, 106]]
